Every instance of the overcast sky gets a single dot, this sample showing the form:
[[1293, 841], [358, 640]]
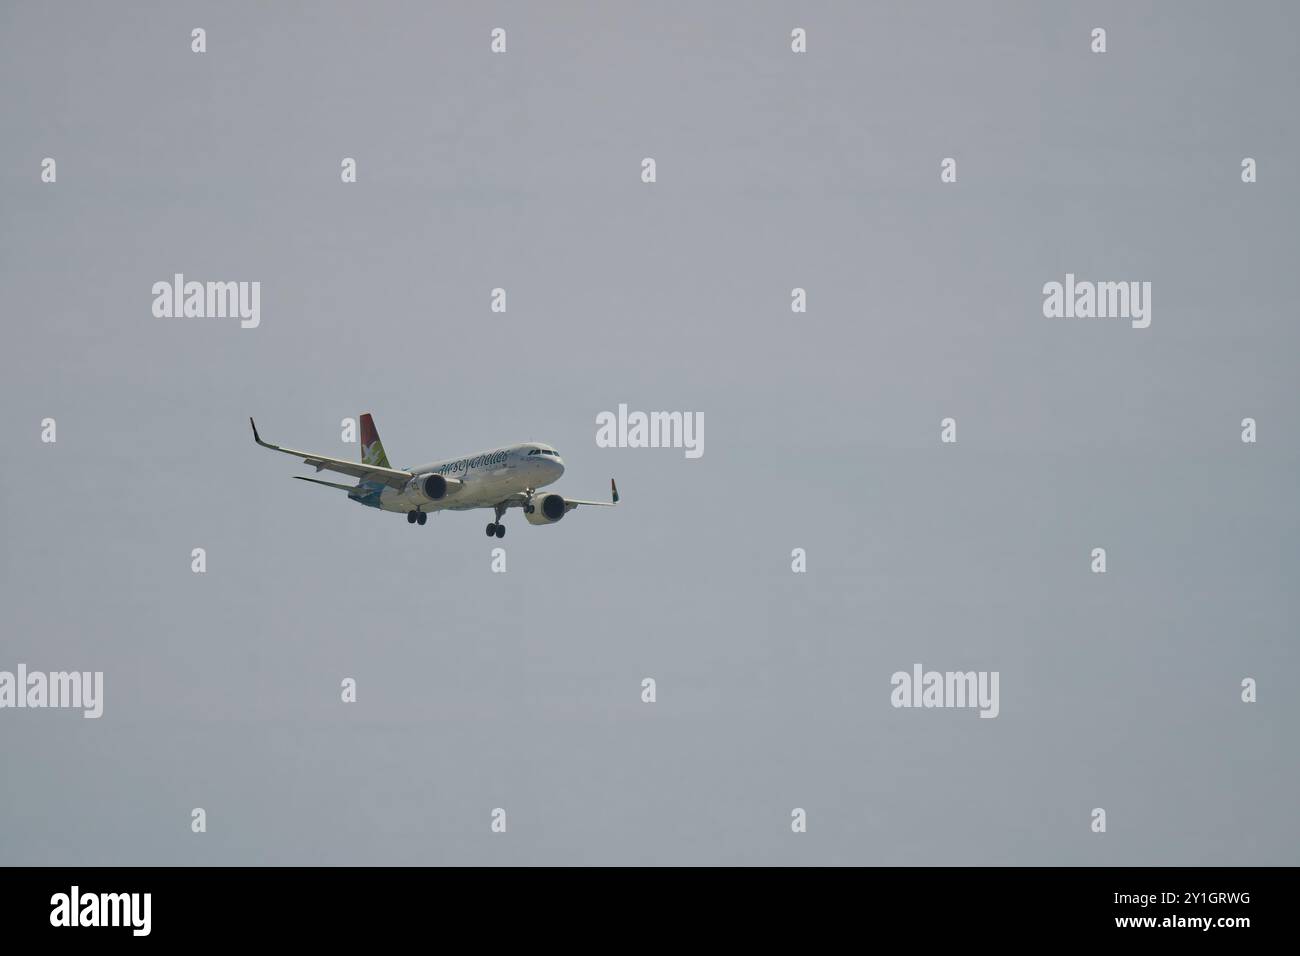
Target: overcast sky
[[775, 170]]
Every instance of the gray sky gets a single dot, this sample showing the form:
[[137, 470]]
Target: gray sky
[[522, 690]]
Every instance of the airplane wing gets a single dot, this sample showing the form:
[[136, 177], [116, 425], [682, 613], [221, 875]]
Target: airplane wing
[[571, 503], [519, 499], [389, 476]]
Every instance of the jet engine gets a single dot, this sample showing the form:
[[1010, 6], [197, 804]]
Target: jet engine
[[429, 488], [545, 509]]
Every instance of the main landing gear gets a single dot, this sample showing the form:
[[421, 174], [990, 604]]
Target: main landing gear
[[496, 527], [416, 517]]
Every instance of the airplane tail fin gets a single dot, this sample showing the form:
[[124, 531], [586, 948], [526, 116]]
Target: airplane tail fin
[[372, 449]]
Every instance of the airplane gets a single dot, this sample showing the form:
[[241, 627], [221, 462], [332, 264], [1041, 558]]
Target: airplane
[[499, 479]]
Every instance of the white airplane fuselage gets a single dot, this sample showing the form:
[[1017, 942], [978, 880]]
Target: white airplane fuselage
[[480, 480]]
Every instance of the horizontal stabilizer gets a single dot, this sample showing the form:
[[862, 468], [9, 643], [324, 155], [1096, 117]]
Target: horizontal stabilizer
[[327, 484]]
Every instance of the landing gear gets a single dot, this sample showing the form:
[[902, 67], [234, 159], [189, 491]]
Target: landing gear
[[411, 518], [496, 527], [416, 517], [422, 519]]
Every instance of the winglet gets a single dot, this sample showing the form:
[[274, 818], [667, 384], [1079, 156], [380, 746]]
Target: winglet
[[258, 438], [613, 488]]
